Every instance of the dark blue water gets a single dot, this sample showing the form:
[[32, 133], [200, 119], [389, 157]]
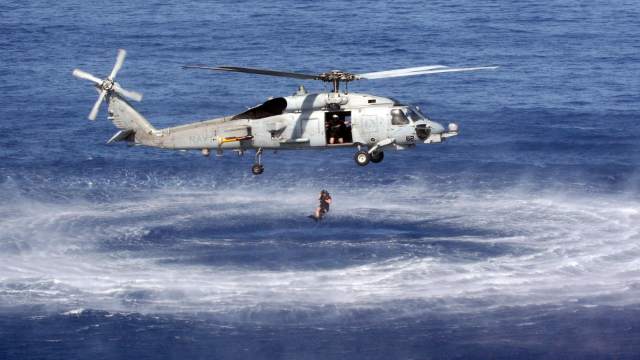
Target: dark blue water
[[518, 238]]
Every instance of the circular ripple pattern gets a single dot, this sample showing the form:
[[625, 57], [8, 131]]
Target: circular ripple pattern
[[236, 248]]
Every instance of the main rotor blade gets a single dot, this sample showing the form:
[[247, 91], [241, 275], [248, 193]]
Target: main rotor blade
[[133, 95], [96, 106], [421, 70], [119, 61], [85, 75], [255, 71]]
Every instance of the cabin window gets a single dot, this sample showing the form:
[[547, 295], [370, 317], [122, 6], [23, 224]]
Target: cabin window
[[269, 108], [398, 117]]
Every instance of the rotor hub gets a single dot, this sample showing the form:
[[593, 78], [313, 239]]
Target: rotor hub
[[339, 75], [335, 77], [107, 84]]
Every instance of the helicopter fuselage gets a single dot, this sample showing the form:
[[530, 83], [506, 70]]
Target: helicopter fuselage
[[301, 121]]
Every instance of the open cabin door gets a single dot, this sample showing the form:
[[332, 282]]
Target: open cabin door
[[337, 125]]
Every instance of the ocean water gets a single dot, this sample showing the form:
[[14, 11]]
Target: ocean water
[[520, 238]]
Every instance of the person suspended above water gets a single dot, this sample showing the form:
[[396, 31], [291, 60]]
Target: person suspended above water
[[323, 208]]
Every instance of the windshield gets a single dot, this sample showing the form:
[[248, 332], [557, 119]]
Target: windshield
[[414, 115]]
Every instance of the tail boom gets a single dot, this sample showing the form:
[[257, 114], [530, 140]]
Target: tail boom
[[134, 127]]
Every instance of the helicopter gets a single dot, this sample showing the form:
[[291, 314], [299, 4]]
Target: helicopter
[[332, 119]]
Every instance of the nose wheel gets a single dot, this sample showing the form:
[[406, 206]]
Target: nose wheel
[[362, 158], [257, 168]]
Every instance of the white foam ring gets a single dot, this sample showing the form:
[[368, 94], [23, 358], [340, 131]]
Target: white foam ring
[[578, 249]]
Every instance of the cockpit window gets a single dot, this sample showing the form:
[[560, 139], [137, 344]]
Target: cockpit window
[[413, 115], [398, 117]]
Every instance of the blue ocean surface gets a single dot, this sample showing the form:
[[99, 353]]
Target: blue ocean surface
[[519, 238]]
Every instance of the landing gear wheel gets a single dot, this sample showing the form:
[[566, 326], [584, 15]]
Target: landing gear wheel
[[257, 169], [362, 158], [377, 157]]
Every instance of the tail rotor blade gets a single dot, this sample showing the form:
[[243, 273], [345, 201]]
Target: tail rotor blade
[[133, 95], [85, 75], [119, 61], [96, 106], [108, 86]]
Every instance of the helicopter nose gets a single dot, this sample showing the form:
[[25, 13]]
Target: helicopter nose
[[436, 128], [436, 133]]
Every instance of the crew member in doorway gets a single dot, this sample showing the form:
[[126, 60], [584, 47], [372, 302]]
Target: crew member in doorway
[[336, 129]]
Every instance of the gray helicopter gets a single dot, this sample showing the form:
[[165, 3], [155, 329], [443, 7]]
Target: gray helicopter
[[334, 119]]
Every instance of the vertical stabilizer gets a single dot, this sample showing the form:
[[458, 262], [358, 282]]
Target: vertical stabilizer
[[125, 117]]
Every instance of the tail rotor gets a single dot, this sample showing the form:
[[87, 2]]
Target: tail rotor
[[107, 85]]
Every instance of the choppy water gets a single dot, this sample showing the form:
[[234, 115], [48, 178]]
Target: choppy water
[[519, 238]]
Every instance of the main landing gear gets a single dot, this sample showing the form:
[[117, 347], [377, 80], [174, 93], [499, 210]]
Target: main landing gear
[[363, 157], [377, 156], [257, 168]]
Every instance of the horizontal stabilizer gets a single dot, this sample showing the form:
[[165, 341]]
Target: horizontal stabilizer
[[122, 135]]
